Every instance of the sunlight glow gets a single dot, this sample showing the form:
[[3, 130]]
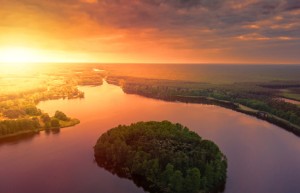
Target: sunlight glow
[[19, 55]]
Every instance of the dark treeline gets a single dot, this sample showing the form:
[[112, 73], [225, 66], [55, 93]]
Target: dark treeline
[[284, 110], [280, 85], [252, 95], [162, 157], [20, 125]]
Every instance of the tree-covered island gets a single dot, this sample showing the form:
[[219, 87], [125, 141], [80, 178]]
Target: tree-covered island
[[162, 157]]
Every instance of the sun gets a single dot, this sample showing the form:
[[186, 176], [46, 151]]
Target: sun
[[19, 55]]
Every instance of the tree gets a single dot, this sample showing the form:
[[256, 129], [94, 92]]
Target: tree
[[167, 174], [32, 111], [48, 125], [192, 180], [61, 116], [46, 118], [36, 123], [153, 169], [55, 123], [176, 181]]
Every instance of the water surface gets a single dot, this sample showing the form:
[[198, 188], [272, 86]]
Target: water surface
[[262, 157], [290, 101]]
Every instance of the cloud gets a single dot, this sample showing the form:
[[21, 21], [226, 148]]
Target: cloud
[[178, 24], [291, 5], [89, 1]]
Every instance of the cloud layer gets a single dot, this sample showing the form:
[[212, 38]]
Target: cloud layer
[[211, 30]]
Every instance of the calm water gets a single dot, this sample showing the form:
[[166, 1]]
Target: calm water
[[212, 73], [262, 157], [291, 101]]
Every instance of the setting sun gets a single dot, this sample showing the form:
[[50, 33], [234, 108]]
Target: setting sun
[[19, 55]]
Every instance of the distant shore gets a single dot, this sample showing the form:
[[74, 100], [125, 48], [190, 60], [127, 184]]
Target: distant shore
[[233, 106]]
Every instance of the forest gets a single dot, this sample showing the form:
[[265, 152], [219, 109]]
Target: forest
[[243, 97], [162, 157]]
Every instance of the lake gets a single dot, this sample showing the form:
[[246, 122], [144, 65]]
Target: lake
[[290, 101], [262, 157]]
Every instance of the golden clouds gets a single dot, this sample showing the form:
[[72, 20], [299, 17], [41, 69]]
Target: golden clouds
[[89, 1], [154, 31]]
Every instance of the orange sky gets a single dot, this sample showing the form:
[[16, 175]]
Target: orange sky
[[174, 31]]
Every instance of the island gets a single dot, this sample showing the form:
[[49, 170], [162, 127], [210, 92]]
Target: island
[[35, 123], [162, 157]]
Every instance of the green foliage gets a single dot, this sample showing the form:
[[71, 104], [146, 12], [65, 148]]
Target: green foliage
[[258, 96], [176, 182], [169, 157], [61, 116], [192, 180], [20, 125], [287, 111], [45, 117], [55, 123], [35, 123], [32, 111], [13, 113]]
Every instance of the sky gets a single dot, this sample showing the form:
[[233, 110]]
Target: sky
[[150, 31]]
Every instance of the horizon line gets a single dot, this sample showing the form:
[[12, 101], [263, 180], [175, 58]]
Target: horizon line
[[154, 63]]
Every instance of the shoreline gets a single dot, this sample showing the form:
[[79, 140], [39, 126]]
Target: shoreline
[[71, 123], [273, 119], [284, 124]]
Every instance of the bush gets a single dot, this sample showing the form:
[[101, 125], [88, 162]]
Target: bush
[[55, 123], [61, 116]]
